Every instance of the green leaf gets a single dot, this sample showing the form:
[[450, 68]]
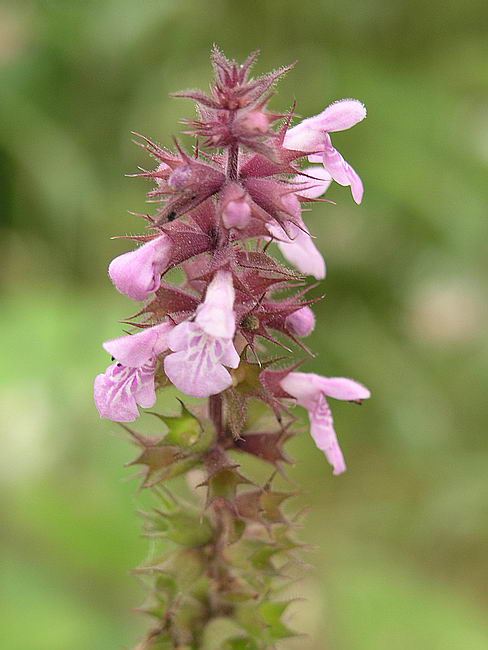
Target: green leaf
[[223, 483], [261, 559], [182, 527], [271, 613], [247, 376], [185, 567], [183, 430]]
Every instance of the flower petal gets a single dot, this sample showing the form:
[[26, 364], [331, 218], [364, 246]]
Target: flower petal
[[341, 171], [301, 322], [236, 214], [301, 386], [304, 386], [144, 390], [180, 337], [135, 350], [299, 249], [197, 375], [230, 357], [341, 388], [322, 431], [216, 314], [138, 273], [316, 158], [315, 186], [303, 137], [309, 393], [340, 115], [197, 365], [120, 389]]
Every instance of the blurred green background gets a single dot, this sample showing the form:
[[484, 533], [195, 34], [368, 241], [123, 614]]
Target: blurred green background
[[402, 536]]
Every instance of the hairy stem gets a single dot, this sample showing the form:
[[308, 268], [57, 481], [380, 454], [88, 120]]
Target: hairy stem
[[233, 162], [215, 413]]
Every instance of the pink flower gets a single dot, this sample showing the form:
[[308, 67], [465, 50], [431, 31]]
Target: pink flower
[[297, 245], [312, 135], [138, 273], [203, 347], [310, 391], [130, 381], [301, 322]]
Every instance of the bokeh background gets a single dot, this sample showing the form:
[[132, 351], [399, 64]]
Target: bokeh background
[[402, 536]]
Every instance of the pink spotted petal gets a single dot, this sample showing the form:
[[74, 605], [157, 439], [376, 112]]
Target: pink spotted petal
[[197, 365], [216, 315], [120, 408], [120, 389], [138, 273], [341, 171], [145, 393], [340, 115], [135, 350], [184, 335], [197, 373]]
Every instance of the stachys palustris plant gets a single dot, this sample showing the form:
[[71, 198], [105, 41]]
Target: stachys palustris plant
[[219, 209]]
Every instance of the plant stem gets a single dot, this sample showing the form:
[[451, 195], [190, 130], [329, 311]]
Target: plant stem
[[233, 162], [215, 413]]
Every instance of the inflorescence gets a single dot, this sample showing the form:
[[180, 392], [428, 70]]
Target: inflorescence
[[219, 210]]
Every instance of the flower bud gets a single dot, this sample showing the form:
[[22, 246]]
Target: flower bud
[[138, 273], [161, 174], [301, 322], [234, 207], [200, 179], [236, 214], [255, 122], [181, 177]]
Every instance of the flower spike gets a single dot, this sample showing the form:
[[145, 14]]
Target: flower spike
[[214, 304]]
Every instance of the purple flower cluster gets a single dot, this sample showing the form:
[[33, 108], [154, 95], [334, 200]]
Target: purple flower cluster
[[218, 212]]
